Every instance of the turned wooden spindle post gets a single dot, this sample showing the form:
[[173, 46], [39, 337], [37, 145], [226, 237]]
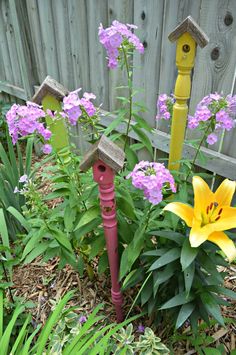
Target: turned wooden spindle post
[[106, 158], [187, 34], [49, 95]]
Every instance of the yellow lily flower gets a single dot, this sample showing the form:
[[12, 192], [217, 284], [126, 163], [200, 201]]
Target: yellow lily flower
[[210, 216]]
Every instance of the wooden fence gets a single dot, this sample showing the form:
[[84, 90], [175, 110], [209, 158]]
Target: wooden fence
[[59, 38]]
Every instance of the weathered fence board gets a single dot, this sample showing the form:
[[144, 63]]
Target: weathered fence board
[[60, 38], [148, 17]]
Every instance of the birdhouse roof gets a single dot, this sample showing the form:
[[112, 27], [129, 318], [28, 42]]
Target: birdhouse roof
[[190, 26], [106, 151], [49, 87]]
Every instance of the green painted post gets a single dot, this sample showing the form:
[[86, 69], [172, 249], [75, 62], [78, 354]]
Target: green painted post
[[49, 95]]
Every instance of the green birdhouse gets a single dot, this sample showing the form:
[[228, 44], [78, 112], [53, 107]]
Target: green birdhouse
[[50, 95]]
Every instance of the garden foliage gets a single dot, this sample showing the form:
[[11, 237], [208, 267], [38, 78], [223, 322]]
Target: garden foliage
[[169, 250]]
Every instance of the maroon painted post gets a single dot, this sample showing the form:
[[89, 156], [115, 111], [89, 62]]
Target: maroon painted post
[[106, 158]]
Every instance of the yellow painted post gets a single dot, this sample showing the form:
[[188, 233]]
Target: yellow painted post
[[49, 95], [187, 34]]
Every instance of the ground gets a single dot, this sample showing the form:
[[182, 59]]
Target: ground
[[43, 283]]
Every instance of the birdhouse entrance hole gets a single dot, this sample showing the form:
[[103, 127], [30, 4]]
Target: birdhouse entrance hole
[[101, 168], [186, 48]]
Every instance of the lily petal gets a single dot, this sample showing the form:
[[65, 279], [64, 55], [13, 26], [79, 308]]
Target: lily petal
[[226, 221], [224, 243], [225, 192], [182, 210], [203, 196], [197, 235]]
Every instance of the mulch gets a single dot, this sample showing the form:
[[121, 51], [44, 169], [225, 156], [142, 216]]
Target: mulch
[[44, 284]]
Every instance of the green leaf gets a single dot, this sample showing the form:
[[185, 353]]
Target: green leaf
[[132, 158], [81, 265], [189, 276], [87, 228], [88, 216], [211, 351], [28, 154], [132, 278], [38, 250], [4, 232], [144, 138], [171, 255], [174, 236], [33, 241], [5, 340], [69, 217], [188, 254], [124, 205], [161, 276], [97, 245], [212, 307], [112, 126], [180, 299], [103, 263], [19, 217], [221, 290], [142, 123], [52, 320], [61, 238], [184, 313]]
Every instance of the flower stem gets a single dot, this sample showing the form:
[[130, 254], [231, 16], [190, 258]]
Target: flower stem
[[198, 149], [129, 75]]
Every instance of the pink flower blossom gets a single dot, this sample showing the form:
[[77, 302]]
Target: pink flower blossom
[[73, 105], [212, 138], [25, 120], [151, 177], [116, 35], [165, 107], [47, 149]]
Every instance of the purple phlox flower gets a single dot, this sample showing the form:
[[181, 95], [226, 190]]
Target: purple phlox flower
[[72, 106], [215, 96], [192, 122], [164, 106], [24, 178], [226, 122], [82, 319], [16, 190], [231, 100], [116, 35], [47, 149], [212, 138], [141, 328], [24, 120], [151, 178], [203, 113]]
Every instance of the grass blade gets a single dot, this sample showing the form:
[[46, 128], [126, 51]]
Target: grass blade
[[43, 338]]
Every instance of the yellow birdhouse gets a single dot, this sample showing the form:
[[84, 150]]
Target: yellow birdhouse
[[188, 34]]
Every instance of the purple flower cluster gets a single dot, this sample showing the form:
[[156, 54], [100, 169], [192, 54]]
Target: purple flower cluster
[[151, 178], [165, 107], [74, 107], [218, 110], [116, 35], [25, 120]]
